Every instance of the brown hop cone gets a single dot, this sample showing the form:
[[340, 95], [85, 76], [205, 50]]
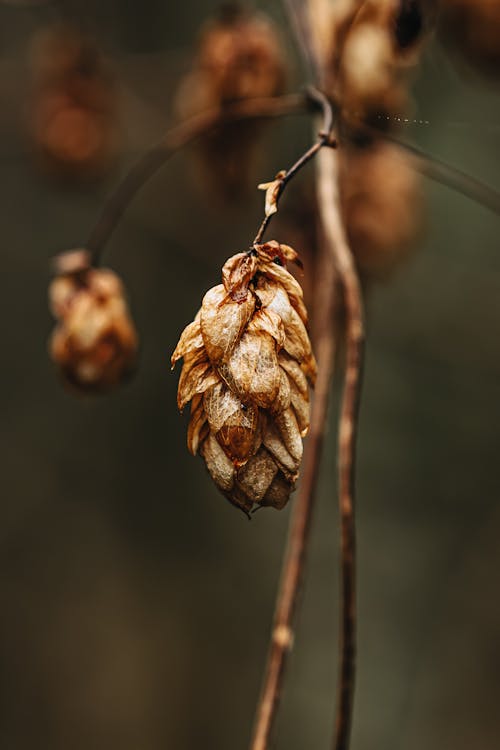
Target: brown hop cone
[[94, 343], [247, 366]]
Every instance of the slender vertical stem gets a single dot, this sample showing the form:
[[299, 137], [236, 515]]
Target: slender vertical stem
[[329, 207], [295, 556]]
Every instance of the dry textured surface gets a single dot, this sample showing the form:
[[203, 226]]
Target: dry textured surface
[[247, 367], [94, 343]]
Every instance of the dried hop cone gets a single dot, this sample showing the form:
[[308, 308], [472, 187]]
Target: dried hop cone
[[94, 343], [247, 366]]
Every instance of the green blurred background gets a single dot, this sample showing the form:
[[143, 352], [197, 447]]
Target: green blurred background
[[135, 602]]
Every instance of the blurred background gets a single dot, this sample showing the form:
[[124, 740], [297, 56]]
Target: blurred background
[[135, 602]]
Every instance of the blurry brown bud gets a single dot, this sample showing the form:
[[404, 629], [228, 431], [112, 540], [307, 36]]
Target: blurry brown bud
[[239, 56], [382, 205], [472, 28], [371, 84], [373, 46], [73, 120], [247, 365], [94, 343]]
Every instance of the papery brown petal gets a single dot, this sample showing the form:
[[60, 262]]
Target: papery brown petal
[[294, 372], [194, 379], [282, 401], [310, 369], [290, 433], [268, 322], [218, 464], [265, 289], [297, 342], [223, 321], [237, 273], [61, 292], [256, 476], [289, 253], [278, 493], [239, 498], [190, 341], [300, 405], [269, 250], [252, 370], [233, 423], [197, 422], [290, 285], [273, 441]]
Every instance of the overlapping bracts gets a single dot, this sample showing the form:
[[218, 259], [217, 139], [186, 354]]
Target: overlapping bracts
[[94, 343], [247, 369]]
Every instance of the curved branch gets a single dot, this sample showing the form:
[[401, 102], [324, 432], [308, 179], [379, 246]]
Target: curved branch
[[176, 138], [450, 176]]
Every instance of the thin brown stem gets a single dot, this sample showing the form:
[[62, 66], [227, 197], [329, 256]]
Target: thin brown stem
[[453, 178], [295, 556], [176, 138], [329, 207], [325, 138]]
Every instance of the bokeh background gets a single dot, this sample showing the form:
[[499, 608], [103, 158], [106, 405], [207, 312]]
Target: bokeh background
[[135, 602]]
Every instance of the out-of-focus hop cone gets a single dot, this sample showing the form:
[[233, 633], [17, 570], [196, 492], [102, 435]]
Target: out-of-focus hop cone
[[239, 57], [94, 343], [247, 369], [73, 119]]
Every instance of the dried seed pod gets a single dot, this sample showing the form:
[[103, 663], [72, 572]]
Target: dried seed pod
[[239, 57], [247, 367], [382, 205], [94, 343], [472, 28], [73, 121]]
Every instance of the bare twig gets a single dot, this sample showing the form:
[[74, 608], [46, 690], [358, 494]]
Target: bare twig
[[295, 556], [325, 138], [451, 177], [175, 139], [329, 207]]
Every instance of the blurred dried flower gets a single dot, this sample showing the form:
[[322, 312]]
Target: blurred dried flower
[[382, 205], [94, 343], [472, 28], [373, 47], [73, 122], [239, 57], [247, 365]]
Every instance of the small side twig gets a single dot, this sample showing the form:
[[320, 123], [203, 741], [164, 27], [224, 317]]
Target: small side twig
[[329, 208], [325, 138]]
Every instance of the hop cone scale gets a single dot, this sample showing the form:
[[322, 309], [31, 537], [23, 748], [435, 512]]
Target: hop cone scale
[[247, 368]]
